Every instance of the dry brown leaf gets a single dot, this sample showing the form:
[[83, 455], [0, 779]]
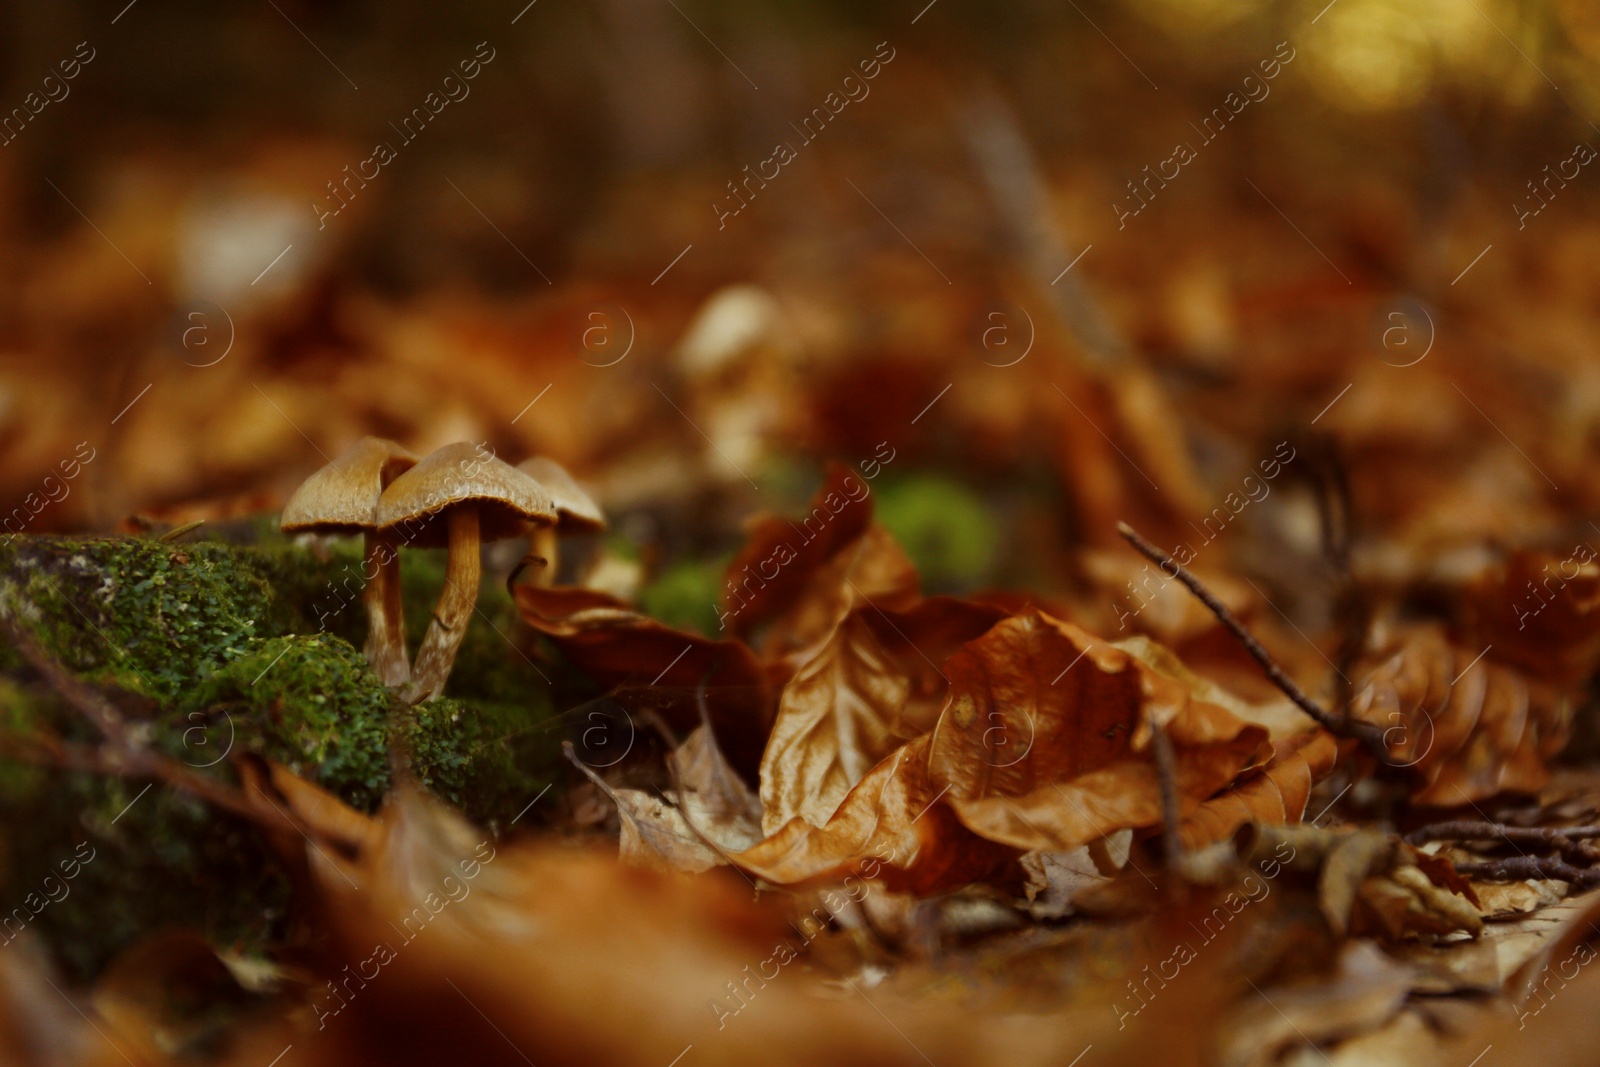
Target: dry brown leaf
[[1043, 744], [1369, 882], [1509, 900], [170, 993], [653, 832], [1366, 991], [874, 684], [1538, 611], [1054, 878], [714, 799], [893, 825], [531, 936], [800, 577], [1279, 716], [646, 660], [1132, 425], [714, 811], [1276, 793], [1464, 725]]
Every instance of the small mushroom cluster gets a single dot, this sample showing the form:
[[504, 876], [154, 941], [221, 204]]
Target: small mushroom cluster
[[458, 496]]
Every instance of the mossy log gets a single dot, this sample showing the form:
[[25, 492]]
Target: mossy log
[[210, 650]]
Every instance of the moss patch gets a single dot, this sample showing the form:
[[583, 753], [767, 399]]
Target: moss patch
[[216, 649]]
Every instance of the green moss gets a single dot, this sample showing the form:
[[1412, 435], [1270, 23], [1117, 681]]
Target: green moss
[[159, 859], [145, 615], [215, 649], [477, 755], [686, 594], [310, 702], [945, 528], [18, 714]]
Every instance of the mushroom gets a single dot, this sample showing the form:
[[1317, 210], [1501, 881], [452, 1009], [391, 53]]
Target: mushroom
[[342, 498], [576, 510], [459, 495]]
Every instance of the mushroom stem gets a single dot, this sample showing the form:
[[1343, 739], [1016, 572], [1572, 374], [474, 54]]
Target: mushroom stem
[[462, 572], [386, 627], [542, 543]]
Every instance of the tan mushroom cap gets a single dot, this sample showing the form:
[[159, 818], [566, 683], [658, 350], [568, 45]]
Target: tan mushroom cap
[[415, 504], [343, 496], [579, 513]]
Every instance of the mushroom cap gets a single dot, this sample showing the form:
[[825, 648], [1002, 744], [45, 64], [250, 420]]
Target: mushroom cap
[[342, 497], [457, 475], [577, 510]]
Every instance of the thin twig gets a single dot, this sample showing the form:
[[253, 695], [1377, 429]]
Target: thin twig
[[1468, 830], [1367, 733], [1351, 608], [1569, 840], [1517, 868], [119, 756], [86, 699], [1167, 770], [125, 763]]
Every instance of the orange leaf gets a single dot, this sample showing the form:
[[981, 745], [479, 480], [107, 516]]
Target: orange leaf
[[872, 685], [1043, 743], [1465, 725], [1275, 794]]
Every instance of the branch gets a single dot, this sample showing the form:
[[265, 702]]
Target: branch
[[1366, 733], [1167, 770], [1517, 868], [88, 700], [119, 755], [1568, 839]]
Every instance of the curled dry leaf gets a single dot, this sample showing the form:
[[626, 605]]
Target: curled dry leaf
[[1131, 595], [714, 799], [714, 811], [800, 577], [1369, 883], [1054, 878], [618, 647], [1043, 744], [1276, 793], [1462, 724], [872, 685], [654, 833], [1279, 716], [893, 825], [1538, 610]]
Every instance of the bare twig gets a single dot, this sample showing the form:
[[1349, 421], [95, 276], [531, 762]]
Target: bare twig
[[1517, 868], [1569, 840], [1351, 608], [86, 699], [1367, 733], [1167, 770], [119, 756], [1011, 172], [177, 533], [1468, 830]]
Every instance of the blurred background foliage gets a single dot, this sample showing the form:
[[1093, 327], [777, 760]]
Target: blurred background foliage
[[537, 220]]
